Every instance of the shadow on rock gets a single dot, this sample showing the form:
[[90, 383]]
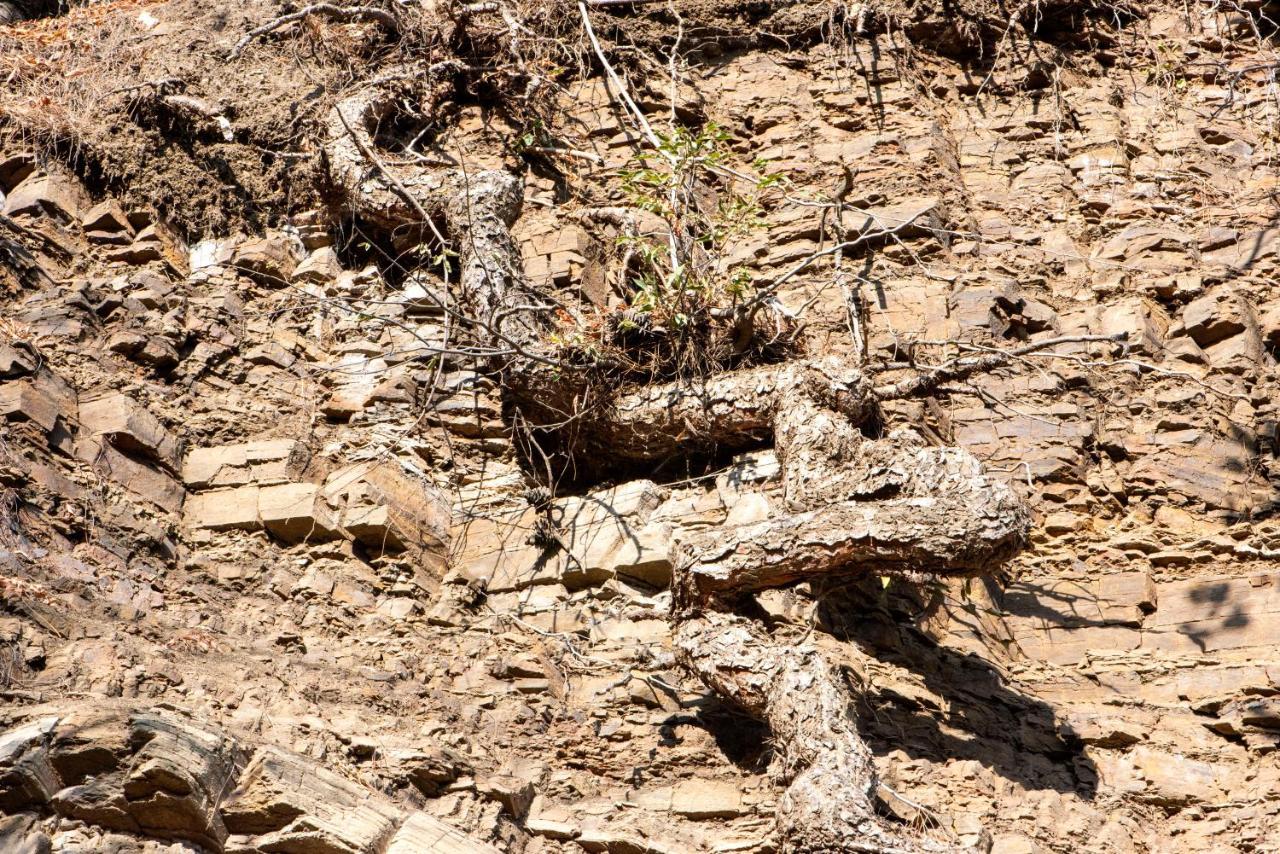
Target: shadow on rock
[[961, 707]]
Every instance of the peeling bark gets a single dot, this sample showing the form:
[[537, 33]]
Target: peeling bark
[[951, 519], [856, 506], [829, 804]]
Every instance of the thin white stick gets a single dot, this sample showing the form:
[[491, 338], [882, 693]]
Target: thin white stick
[[645, 127]]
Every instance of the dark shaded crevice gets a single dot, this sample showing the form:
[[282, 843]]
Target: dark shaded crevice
[[986, 719], [13, 11]]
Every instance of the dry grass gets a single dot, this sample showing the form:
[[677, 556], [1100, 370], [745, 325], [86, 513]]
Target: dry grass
[[56, 72]]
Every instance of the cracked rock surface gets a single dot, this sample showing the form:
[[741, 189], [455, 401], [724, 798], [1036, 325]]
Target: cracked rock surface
[[270, 581]]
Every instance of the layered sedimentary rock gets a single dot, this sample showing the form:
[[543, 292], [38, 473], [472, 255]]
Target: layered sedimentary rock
[[271, 583]]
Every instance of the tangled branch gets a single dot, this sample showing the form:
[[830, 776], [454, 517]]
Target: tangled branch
[[344, 14]]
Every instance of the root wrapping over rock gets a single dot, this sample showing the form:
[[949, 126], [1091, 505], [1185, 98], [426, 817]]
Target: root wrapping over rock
[[857, 506], [829, 803], [853, 505]]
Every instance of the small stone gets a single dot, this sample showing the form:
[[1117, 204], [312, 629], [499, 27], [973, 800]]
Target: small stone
[[223, 509], [107, 218], [703, 799], [296, 511], [269, 260], [262, 462], [1058, 524], [514, 794], [388, 510], [1016, 844], [1218, 315], [320, 266], [1106, 730]]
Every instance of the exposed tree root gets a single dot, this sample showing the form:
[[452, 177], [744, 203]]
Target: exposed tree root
[[887, 506], [965, 523], [829, 803], [736, 410], [853, 505], [477, 211], [391, 197], [728, 411]]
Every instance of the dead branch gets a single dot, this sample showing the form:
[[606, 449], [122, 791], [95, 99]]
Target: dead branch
[[345, 14], [565, 152], [966, 366]]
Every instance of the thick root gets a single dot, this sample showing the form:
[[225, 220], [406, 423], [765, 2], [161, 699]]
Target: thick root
[[393, 197], [885, 506], [730, 411], [856, 506], [950, 519], [477, 210], [829, 804]]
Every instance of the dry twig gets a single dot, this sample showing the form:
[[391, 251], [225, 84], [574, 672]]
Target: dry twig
[[345, 14]]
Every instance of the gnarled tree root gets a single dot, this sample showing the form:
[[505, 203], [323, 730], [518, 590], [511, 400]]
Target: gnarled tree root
[[829, 804], [861, 506], [955, 520], [854, 505], [477, 210]]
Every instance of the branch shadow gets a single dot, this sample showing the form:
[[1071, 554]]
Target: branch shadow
[[981, 717], [744, 741]]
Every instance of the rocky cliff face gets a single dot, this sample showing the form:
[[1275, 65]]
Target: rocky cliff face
[[273, 580]]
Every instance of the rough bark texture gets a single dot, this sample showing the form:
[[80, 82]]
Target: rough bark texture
[[477, 210], [967, 525], [829, 803], [858, 506], [394, 197], [726, 412], [729, 411], [479, 214]]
